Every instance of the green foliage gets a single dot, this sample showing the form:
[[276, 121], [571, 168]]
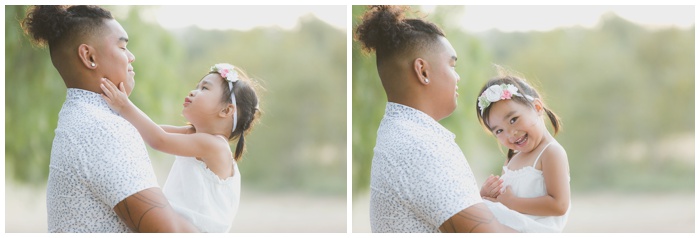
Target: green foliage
[[299, 144], [614, 86]]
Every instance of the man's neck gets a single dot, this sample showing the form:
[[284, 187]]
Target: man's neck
[[416, 101]]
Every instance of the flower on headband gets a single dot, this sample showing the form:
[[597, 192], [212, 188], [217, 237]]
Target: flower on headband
[[496, 93], [226, 71]]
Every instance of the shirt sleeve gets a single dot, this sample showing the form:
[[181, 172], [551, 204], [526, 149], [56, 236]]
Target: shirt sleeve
[[117, 165], [442, 184]]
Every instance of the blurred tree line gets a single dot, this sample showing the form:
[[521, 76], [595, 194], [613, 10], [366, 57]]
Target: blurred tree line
[[299, 145], [624, 92]]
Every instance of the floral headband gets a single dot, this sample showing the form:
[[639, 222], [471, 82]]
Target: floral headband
[[229, 73], [496, 93]]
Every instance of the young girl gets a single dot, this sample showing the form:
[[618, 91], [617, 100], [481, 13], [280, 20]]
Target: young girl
[[204, 182], [532, 194]]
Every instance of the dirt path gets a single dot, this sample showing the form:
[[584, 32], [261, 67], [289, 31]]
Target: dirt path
[[603, 212], [25, 211]]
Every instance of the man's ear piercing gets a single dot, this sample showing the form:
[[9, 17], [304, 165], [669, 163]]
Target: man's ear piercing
[[426, 80], [92, 64]]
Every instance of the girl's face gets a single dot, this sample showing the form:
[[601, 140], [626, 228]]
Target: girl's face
[[516, 126], [204, 102]]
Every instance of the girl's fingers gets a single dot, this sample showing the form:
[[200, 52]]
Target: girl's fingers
[[106, 90], [106, 98], [121, 87], [107, 81], [494, 191]]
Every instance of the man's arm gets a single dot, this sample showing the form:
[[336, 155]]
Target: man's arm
[[475, 218], [149, 211]]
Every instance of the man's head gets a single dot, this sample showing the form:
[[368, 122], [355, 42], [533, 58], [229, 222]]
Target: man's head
[[85, 43], [414, 59]]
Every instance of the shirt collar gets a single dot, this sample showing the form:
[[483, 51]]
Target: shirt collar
[[403, 112], [82, 95]]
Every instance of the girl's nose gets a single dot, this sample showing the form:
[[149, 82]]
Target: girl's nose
[[514, 133], [192, 93]]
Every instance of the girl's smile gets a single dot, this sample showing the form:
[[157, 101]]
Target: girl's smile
[[521, 142]]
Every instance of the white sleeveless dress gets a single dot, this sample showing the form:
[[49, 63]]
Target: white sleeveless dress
[[201, 197], [527, 182]]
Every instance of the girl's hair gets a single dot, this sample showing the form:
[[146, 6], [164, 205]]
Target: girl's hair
[[246, 107], [524, 88], [57, 25], [385, 30]]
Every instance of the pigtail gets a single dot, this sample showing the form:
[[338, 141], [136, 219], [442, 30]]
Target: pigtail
[[240, 146], [511, 153], [556, 123]]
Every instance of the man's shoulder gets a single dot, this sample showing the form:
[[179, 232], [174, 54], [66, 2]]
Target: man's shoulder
[[403, 131]]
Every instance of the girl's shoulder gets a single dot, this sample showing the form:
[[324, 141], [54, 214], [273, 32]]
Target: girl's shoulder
[[554, 153], [219, 158]]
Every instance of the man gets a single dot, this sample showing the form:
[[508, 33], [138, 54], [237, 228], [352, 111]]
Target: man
[[420, 180], [100, 176]]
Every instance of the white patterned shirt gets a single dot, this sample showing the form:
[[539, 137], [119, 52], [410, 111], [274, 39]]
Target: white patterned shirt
[[420, 178], [98, 159]]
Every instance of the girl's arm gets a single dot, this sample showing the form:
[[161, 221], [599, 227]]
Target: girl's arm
[[555, 168], [191, 145], [178, 129]]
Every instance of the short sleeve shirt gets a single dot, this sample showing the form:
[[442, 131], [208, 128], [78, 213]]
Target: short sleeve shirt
[[97, 160], [419, 176]]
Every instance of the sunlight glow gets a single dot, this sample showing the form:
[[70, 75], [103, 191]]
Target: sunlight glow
[[545, 18], [246, 17]]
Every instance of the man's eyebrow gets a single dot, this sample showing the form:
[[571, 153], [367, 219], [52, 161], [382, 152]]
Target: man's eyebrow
[[124, 39]]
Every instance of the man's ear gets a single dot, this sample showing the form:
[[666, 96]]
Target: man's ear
[[86, 53], [227, 111], [420, 68]]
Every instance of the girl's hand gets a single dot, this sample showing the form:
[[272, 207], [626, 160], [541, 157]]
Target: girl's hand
[[116, 98], [492, 187], [504, 198]]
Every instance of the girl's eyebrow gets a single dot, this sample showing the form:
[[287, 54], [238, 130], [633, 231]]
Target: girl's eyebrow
[[508, 115], [504, 118], [203, 82]]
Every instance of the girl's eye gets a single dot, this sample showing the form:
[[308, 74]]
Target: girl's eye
[[513, 120], [204, 88], [497, 131]]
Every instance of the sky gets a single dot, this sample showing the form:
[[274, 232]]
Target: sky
[[474, 18], [246, 17], [544, 18]]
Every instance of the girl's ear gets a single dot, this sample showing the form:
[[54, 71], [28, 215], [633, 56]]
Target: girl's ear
[[86, 53], [227, 111], [420, 68], [539, 107]]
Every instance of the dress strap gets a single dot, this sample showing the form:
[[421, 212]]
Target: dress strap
[[225, 140], [538, 156], [222, 137]]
